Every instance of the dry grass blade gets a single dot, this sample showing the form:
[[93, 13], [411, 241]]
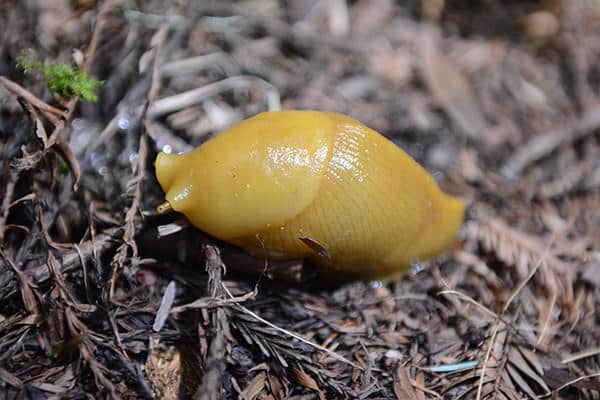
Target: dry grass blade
[[580, 355], [595, 385], [211, 302], [211, 387], [254, 387], [513, 246], [298, 337], [87, 250], [403, 387], [99, 370], [541, 145], [10, 379], [182, 100], [519, 381], [138, 171], [6, 201], [494, 347], [470, 300], [516, 358], [463, 380], [532, 359], [38, 125], [27, 197], [66, 152], [27, 291], [50, 112], [305, 380], [287, 353]]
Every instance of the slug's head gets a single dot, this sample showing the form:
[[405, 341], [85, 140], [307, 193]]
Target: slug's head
[[165, 166], [254, 175], [173, 177]]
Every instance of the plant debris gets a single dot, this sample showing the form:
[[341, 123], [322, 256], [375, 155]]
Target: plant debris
[[103, 297]]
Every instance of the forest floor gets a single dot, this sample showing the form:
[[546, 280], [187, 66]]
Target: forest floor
[[102, 297]]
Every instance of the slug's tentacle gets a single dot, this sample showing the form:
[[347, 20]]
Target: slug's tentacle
[[164, 208]]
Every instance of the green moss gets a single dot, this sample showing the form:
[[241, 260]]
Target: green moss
[[62, 80]]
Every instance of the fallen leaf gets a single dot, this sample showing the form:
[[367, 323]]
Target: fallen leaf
[[302, 378], [451, 89], [403, 389], [254, 387]]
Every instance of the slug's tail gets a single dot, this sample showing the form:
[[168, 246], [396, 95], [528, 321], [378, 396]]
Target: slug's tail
[[440, 231]]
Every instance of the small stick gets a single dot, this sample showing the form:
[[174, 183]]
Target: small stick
[[50, 112], [176, 102]]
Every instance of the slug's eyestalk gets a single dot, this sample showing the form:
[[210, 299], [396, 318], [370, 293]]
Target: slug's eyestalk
[[164, 208]]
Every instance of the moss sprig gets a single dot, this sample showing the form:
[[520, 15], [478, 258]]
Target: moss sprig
[[62, 79]]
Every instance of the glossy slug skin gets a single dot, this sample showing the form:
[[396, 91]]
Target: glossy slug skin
[[280, 176]]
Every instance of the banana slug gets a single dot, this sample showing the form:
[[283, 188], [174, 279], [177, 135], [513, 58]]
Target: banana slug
[[306, 184]]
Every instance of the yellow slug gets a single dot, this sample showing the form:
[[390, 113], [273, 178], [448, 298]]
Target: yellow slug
[[307, 184]]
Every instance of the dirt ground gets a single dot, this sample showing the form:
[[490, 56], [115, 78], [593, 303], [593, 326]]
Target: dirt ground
[[102, 297]]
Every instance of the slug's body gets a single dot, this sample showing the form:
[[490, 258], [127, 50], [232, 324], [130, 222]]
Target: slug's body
[[279, 177]]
